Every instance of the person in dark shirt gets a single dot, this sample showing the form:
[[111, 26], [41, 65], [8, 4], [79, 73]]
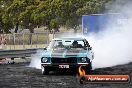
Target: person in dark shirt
[[76, 45], [60, 44]]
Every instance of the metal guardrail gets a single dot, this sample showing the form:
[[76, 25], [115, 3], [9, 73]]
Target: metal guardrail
[[18, 53]]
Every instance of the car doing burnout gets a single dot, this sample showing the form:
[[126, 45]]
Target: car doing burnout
[[66, 53]]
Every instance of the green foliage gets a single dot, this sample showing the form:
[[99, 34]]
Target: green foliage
[[5, 21], [50, 13], [54, 23], [92, 7]]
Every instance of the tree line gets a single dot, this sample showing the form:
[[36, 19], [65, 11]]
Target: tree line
[[29, 14]]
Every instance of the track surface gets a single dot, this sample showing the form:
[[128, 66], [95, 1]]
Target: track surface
[[21, 76]]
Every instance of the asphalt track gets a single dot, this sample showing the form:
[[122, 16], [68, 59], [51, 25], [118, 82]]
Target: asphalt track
[[20, 76]]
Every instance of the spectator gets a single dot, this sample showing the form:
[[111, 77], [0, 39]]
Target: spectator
[[60, 44]]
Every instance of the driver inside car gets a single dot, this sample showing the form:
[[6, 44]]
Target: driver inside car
[[76, 45], [60, 45]]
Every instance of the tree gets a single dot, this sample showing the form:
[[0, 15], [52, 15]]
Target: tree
[[20, 13], [5, 22], [50, 13]]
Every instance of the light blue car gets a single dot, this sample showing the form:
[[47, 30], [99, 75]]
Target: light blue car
[[66, 54]]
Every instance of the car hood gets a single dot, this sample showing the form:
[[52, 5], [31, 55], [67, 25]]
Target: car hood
[[65, 53]]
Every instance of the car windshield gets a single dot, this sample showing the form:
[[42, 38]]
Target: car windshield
[[67, 44]]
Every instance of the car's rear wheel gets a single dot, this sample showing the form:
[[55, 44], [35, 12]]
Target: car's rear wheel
[[45, 71]]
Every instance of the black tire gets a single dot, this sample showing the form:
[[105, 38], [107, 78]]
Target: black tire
[[76, 71], [45, 71], [88, 68], [82, 80]]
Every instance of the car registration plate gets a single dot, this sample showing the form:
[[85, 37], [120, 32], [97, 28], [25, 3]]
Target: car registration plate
[[63, 66]]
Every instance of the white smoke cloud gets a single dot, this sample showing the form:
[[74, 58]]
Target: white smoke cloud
[[36, 60], [111, 49], [114, 45]]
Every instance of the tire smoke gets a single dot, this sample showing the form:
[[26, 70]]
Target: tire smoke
[[36, 60], [113, 46]]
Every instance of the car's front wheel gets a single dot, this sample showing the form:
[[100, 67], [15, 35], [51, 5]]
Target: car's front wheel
[[88, 68], [45, 71]]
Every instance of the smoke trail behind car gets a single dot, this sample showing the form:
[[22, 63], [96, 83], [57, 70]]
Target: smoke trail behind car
[[113, 46]]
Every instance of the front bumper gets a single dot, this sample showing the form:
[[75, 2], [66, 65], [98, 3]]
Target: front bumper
[[56, 65]]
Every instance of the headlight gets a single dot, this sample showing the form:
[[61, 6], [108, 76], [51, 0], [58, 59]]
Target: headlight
[[83, 59], [44, 59]]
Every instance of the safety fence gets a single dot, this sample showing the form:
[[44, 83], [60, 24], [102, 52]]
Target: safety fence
[[29, 40], [23, 40]]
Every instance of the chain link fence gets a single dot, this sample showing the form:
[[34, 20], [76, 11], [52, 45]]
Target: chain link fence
[[23, 40]]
